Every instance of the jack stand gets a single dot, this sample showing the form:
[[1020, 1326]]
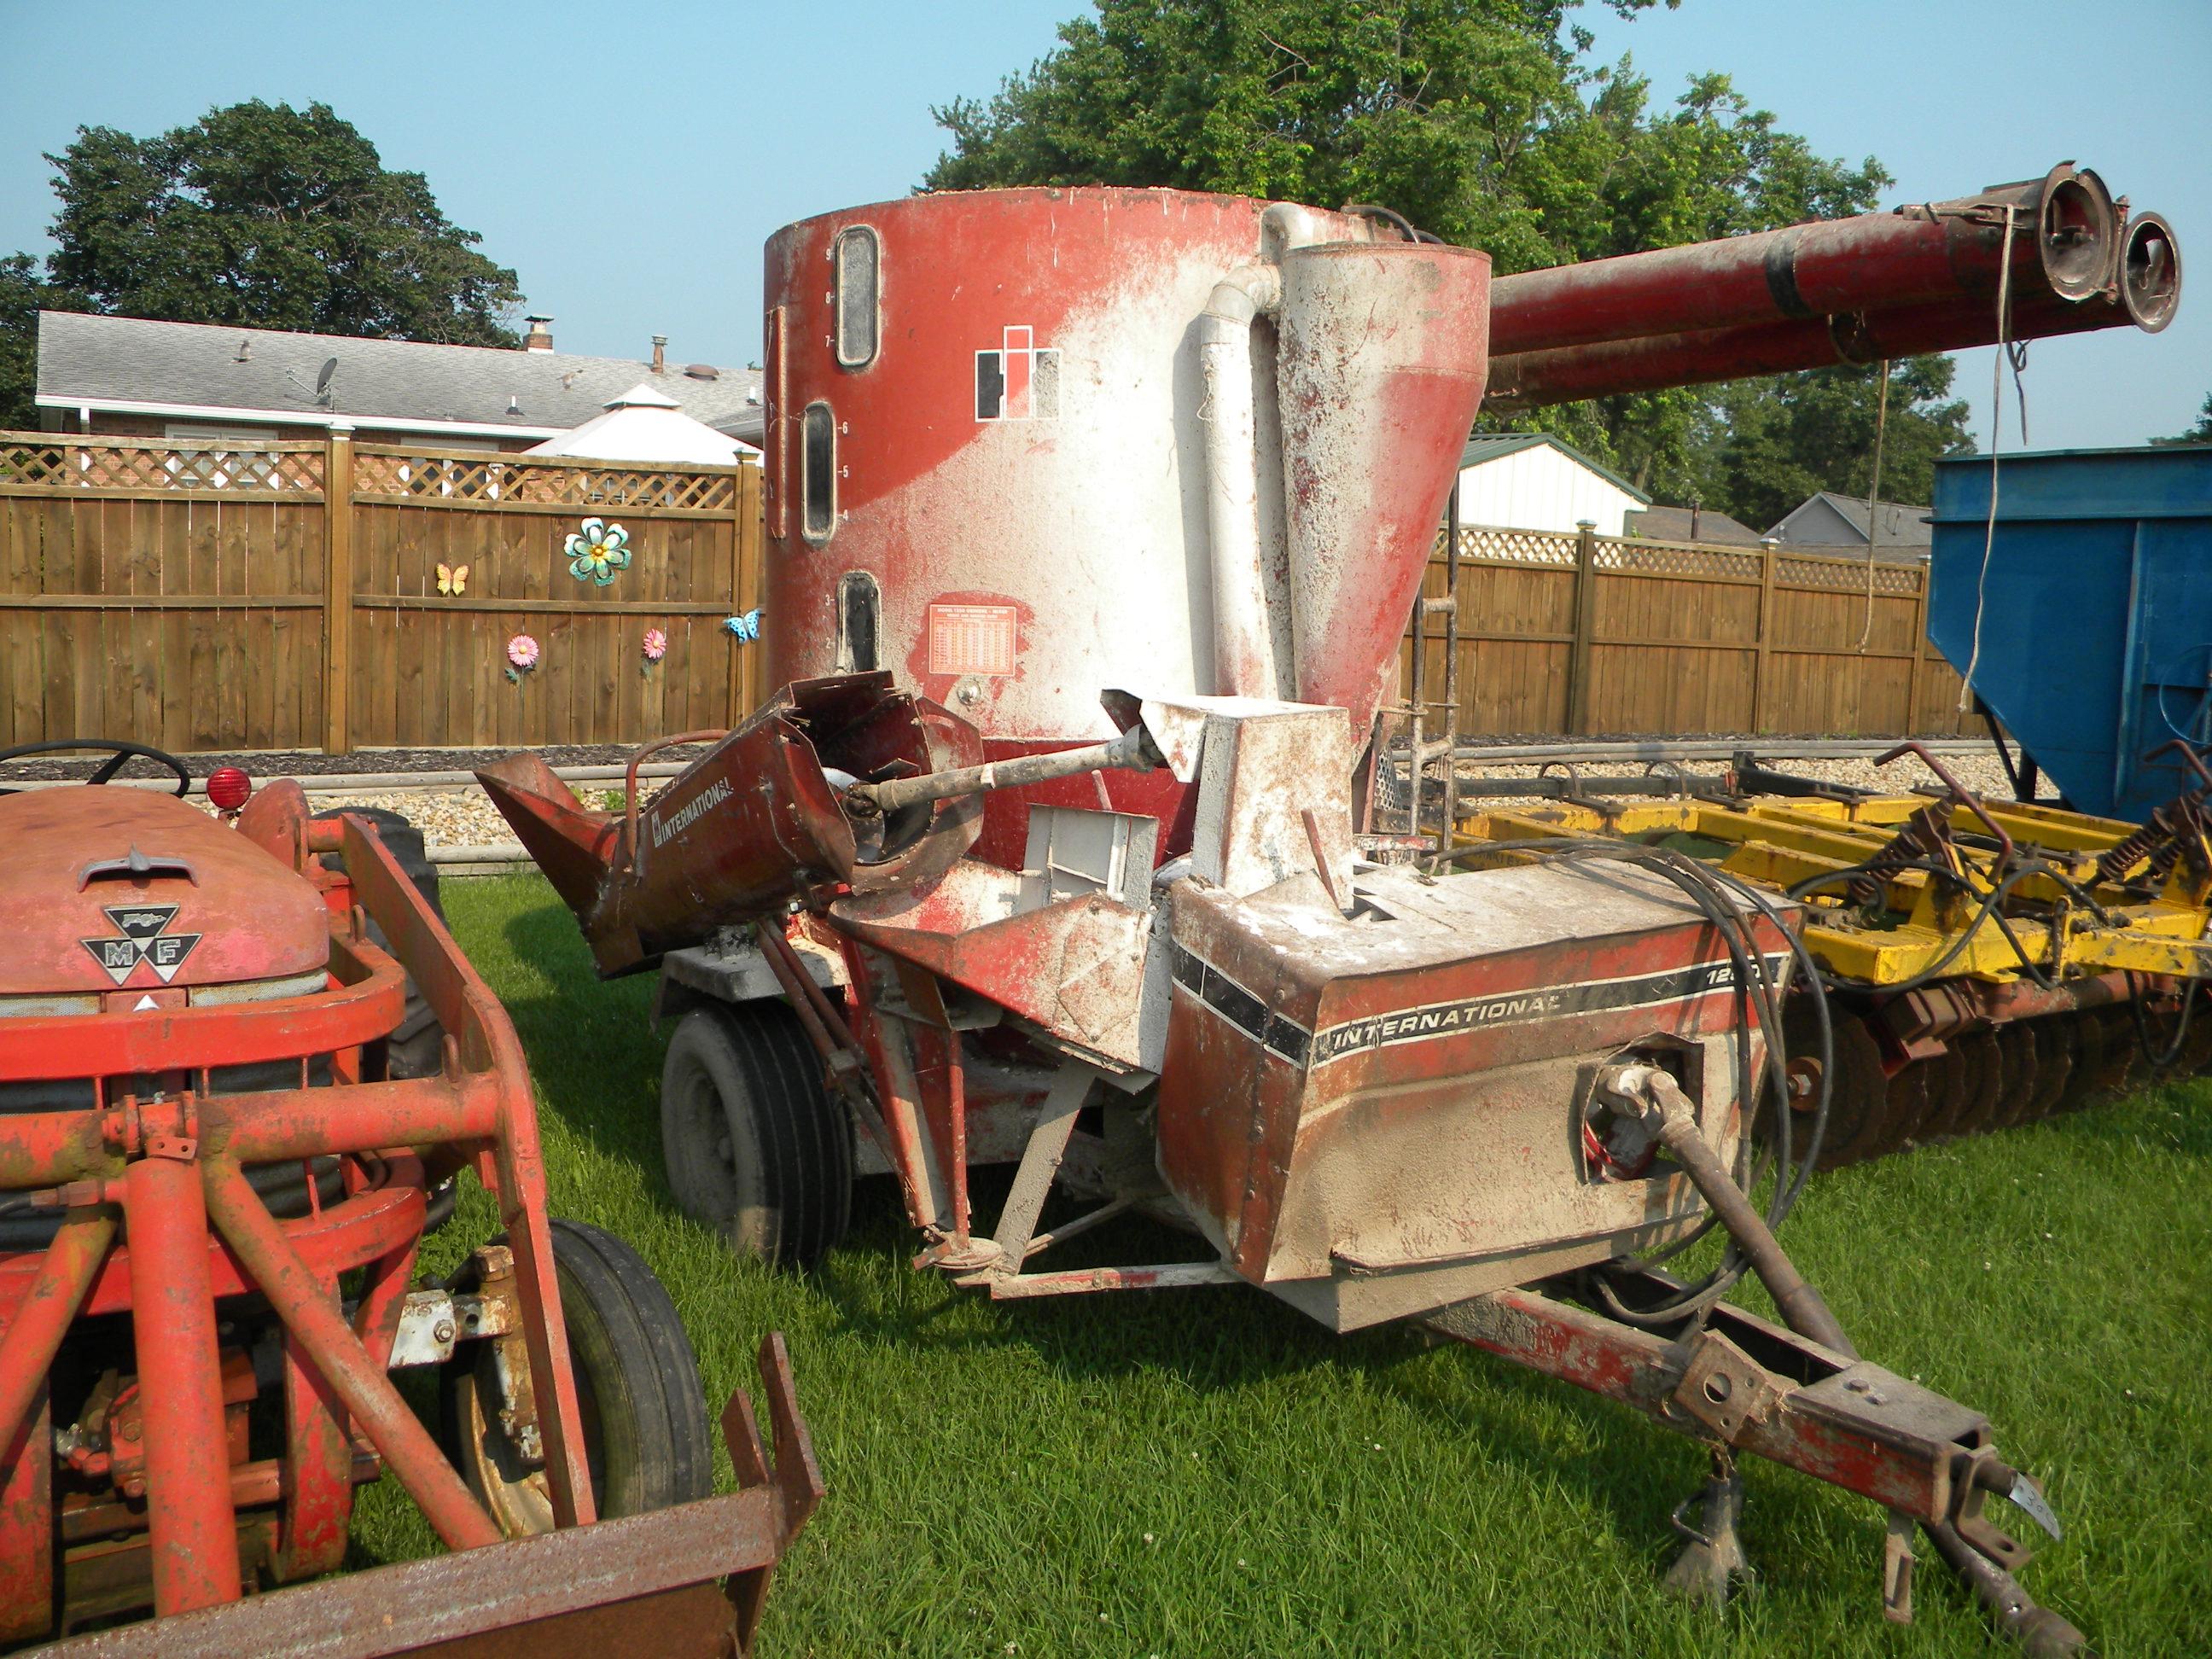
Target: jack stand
[[1712, 1559]]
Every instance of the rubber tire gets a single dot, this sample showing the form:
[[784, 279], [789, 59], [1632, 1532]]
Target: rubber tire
[[754, 1146], [648, 1438], [416, 1046]]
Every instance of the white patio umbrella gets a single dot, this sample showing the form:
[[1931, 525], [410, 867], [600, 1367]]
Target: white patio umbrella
[[645, 425]]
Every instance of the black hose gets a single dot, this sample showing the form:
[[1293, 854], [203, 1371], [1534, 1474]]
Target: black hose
[[1713, 892], [283, 1187], [1988, 909]]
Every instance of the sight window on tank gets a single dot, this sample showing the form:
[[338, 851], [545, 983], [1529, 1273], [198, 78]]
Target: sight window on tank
[[817, 473], [859, 632], [859, 256]]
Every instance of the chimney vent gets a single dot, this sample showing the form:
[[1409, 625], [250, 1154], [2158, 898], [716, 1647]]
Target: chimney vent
[[540, 338], [660, 353]]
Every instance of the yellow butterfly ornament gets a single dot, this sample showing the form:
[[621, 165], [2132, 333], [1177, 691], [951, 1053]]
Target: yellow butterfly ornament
[[453, 579]]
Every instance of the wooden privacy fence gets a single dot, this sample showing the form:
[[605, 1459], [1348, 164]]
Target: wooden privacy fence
[[279, 596], [1584, 634]]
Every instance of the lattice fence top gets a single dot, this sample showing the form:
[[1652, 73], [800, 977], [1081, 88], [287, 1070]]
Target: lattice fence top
[[466, 480], [1632, 555], [1847, 575], [1677, 559], [1533, 547], [289, 470]]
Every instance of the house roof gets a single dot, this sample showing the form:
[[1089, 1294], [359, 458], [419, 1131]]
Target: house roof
[[129, 365], [1672, 524], [1483, 447], [1899, 523], [643, 424]]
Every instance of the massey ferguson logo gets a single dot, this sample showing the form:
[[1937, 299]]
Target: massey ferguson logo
[[143, 940]]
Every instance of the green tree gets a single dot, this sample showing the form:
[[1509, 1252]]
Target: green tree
[[21, 295], [257, 214], [1770, 443], [1475, 118], [2199, 433]]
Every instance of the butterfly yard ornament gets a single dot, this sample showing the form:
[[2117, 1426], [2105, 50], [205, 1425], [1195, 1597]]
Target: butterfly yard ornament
[[453, 579], [521, 657], [746, 627], [597, 550]]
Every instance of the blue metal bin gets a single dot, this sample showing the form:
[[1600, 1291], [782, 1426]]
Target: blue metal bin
[[2096, 609]]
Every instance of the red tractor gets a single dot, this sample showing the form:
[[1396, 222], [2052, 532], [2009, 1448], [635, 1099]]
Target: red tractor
[[242, 1066]]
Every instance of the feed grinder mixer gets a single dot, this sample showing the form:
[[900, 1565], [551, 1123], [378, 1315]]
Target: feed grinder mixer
[[1093, 519]]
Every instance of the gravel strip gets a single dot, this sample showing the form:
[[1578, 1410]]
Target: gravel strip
[[1982, 773]]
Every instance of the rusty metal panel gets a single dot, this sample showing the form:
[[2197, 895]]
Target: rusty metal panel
[[1348, 1099]]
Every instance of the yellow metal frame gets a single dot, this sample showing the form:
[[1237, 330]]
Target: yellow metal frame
[[1778, 841]]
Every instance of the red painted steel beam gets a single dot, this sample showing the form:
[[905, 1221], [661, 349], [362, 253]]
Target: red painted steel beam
[[296, 1294], [1884, 1437], [34, 1325], [2064, 241], [189, 1524]]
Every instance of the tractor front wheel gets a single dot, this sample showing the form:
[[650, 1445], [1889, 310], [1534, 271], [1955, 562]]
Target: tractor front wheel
[[755, 1145], [646, 1433]]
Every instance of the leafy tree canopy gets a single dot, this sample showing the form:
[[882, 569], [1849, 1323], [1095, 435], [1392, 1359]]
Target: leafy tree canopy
[[1477, 121], [258, 215], [2199, 433]]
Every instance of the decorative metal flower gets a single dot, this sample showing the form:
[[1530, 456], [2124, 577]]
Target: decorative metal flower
[[521, 656], [596, 551], [656, 645], [746, 627]]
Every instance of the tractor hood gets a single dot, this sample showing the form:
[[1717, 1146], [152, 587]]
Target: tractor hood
[[118, 890]]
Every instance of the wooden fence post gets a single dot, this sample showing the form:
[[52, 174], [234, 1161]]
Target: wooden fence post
[[1578, 657], [1760, 682], [1919, 653], [338, 591]]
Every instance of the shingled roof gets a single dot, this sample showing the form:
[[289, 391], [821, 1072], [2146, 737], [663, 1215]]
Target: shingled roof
[[129, 365]]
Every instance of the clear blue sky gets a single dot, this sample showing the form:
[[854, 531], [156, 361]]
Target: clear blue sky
[[628, 160]]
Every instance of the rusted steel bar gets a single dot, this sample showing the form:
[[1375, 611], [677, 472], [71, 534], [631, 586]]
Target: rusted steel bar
[[1788, 1399], [689, 1577], [294, 1293], [38, 1323], [1131, 750], [192, 1535], [2064, 242]]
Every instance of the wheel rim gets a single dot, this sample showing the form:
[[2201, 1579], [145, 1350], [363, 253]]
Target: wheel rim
[[701, 1152], [517, 1491]]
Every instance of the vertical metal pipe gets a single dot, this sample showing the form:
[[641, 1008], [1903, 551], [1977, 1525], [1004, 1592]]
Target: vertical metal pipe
[[191, 1527], [1243, 653], [1450, 739]]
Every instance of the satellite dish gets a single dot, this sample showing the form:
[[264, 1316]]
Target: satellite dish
[[322, 379]]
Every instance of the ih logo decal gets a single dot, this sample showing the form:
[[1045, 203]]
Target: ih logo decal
[[143, 940], [1019, 382]]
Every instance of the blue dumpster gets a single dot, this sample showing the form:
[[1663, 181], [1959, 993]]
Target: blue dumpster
[[2096, 609]]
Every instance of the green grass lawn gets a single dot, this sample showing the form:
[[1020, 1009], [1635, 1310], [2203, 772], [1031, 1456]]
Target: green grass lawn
[[1206, 1472]]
